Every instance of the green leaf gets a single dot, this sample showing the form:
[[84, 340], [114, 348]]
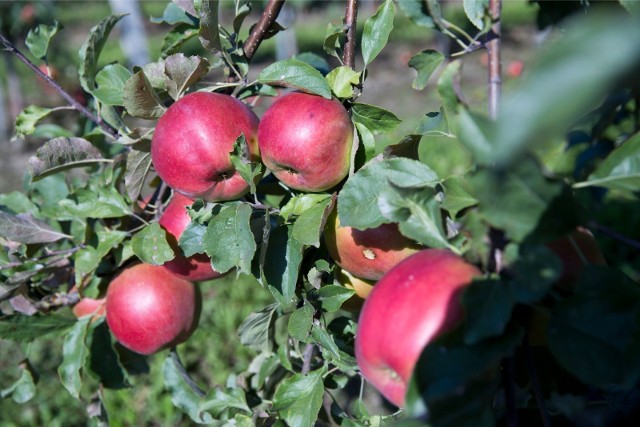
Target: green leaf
[[24, 388], [477, 133], [173, 15], [241, 13], [18, 203], [476, 11], [488, 305], [376, 119], [325, 341], [368, 141], [175, 39], [151, 246], [435, 124], [111, 83], [100, 202], [28, 119], [90, 51], [283, 266], [60, 154], [27, 328], [358, 199], [182, 72], [376, 31], [342, 79], [74, 355], [39, 38], [447, 86], [218, 401], [594, 333], [250, 169], [182, 395], [332, 39], [457, 195], [416, 11], [535, 271], [104, 360], [24, 228], [87, 259], [297, 74], [254, 330], [425, 63], [138, 165], [332, 296], [300, 203], [514, 200], [299, 398], [620, 170], [418, 215], [192, 238], [308, 227], [140, 99], [209, 33], [229, 241], [301, 322], [632, 6]]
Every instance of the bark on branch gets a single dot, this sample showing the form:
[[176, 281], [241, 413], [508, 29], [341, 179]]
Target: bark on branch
[[269, 16], [108, 129], [350, 18]]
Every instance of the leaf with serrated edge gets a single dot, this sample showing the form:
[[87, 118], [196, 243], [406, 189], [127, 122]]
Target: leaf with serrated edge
[[425, 63], [28, 119], [24, 228], [151, 246], [111, 81], [91, 48], [182, 72], [39, 38], [299, 398], [301, 322], [229, 241], [74, 354], [254, 330], [476, 10], [140, 99], [182, 395], [28, 328], [283, 265], [209, 33], [138, 165], [376, 119], [297, 74], [342, 80], [308, 226], [376, 31], [60, 154]]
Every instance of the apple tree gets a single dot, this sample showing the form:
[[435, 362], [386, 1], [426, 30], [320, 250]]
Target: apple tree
[[480, 269]]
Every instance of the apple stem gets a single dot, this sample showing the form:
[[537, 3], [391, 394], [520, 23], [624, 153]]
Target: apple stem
[[535, 382], [184, 374], [350, 18], [106, 127], [268, 17], [307, 354]]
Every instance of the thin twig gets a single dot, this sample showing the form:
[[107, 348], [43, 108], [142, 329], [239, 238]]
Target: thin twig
[[350, 18], [269, 16], [108, 129], [615, 235], [184, 374], [535, 382], [307, 355], [64, 253], [495, 68]]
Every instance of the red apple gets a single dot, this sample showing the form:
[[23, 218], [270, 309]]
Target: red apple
[[369, 253], [149, 308], [576, 251], [361, 287], [409, 307], [87, 306], [305, 140], [192, 142], [174, 220]]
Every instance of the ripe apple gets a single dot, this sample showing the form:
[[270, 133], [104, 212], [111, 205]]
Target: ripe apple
[[174, 220], [149, 308], [305, 140], [410, 306], [576, 250], [369, 253], [361, 287], [87, 306], [191, 145]]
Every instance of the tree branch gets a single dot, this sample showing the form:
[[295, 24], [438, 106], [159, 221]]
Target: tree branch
[[350, 18], [108, 129], [269, 16], [307, 355], [495, 66]]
